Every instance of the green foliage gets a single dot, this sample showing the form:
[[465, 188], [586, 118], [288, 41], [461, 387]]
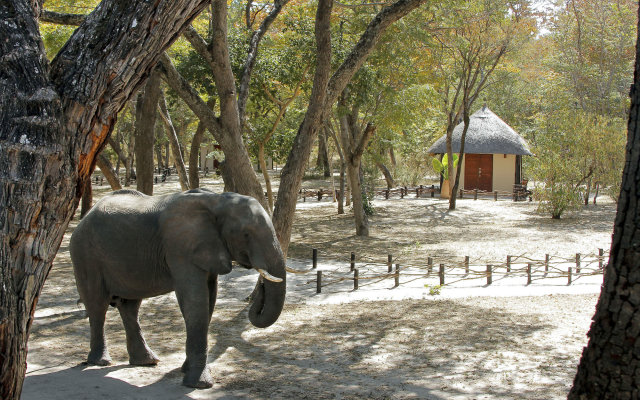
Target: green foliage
[[442, 167], [434, 290]]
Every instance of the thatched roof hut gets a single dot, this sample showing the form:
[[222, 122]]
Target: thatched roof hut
[[487, 134], [493, 153]]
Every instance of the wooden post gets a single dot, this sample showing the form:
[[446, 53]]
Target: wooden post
[[319, 282], [315, 258], [386, 194], [546, 264], [508, 264], [475, 194], [355, 279], [389, 261], [577, 263], [461, 193], [569, 282], [418, 190], [489, 274], [529, 274], [433, 190], [495, 195], [402, 193], [353, 261], [600, 258], [397, 276], [429, 265], [466, 265], [441, 273]]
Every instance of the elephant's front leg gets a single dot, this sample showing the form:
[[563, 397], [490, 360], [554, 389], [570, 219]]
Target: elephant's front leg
[[193, 297], [139, 352]]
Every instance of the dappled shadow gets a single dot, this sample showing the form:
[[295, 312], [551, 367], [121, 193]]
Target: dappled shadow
[[84, 382]]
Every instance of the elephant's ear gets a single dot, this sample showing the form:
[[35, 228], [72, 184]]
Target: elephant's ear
[[192, 237]]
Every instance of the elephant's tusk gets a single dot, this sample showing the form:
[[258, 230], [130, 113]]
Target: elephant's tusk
[[267, 275], [297, 271]]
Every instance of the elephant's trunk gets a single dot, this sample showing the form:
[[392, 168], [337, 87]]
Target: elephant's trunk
[[268, 298]]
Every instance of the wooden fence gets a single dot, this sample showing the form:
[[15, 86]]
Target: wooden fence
[[417, 192], [368, 272]]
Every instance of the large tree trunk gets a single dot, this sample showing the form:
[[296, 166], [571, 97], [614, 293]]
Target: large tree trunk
[[54, 119], [174, 144], [609, 368], [194, 177], [146, 111]]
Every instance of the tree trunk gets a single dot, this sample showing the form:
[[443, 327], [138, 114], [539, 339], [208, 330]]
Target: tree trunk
[[456, 181], [609, 367], [54, 120], [323, 158], [87, 199], [173, 142], [265, 174], [194, 177], [387, 175], [107, 170], [146, 111]]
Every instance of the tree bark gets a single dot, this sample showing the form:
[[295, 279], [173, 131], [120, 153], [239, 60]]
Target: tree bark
[[87, 199], [194, 177], [173, 142], [54, 119], [322, 163], [609, 367], [146, 111]]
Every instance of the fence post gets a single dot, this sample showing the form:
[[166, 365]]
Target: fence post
[[569, 282], [433, 190], [508, 264], [353, 261], [495, 195], [315, 258], [466, 265], [441, 273], [577, 263], [475, 194], [489, 274], [600, 258], [546, 264], [396, 276], [355, 279], [389, 260], [319, 282], [529, 274], [429, 265]]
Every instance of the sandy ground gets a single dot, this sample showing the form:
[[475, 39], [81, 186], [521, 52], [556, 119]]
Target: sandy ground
[[472, 341]]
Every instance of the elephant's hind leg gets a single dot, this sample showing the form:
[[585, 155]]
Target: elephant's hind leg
[[99, 354], [139, 352]]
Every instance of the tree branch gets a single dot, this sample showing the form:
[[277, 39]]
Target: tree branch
[[53, 17]]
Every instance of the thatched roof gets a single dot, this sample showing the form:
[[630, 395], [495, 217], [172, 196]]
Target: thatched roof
[[487, 134]]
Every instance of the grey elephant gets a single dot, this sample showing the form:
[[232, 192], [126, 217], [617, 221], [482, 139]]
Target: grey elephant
[[131, 246]]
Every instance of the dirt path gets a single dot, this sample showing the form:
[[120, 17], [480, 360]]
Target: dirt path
[[494, 345]]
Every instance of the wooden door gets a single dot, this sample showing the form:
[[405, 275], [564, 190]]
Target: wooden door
[[478, 172]]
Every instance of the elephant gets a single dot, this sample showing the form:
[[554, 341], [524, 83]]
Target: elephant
[[131, 246]]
